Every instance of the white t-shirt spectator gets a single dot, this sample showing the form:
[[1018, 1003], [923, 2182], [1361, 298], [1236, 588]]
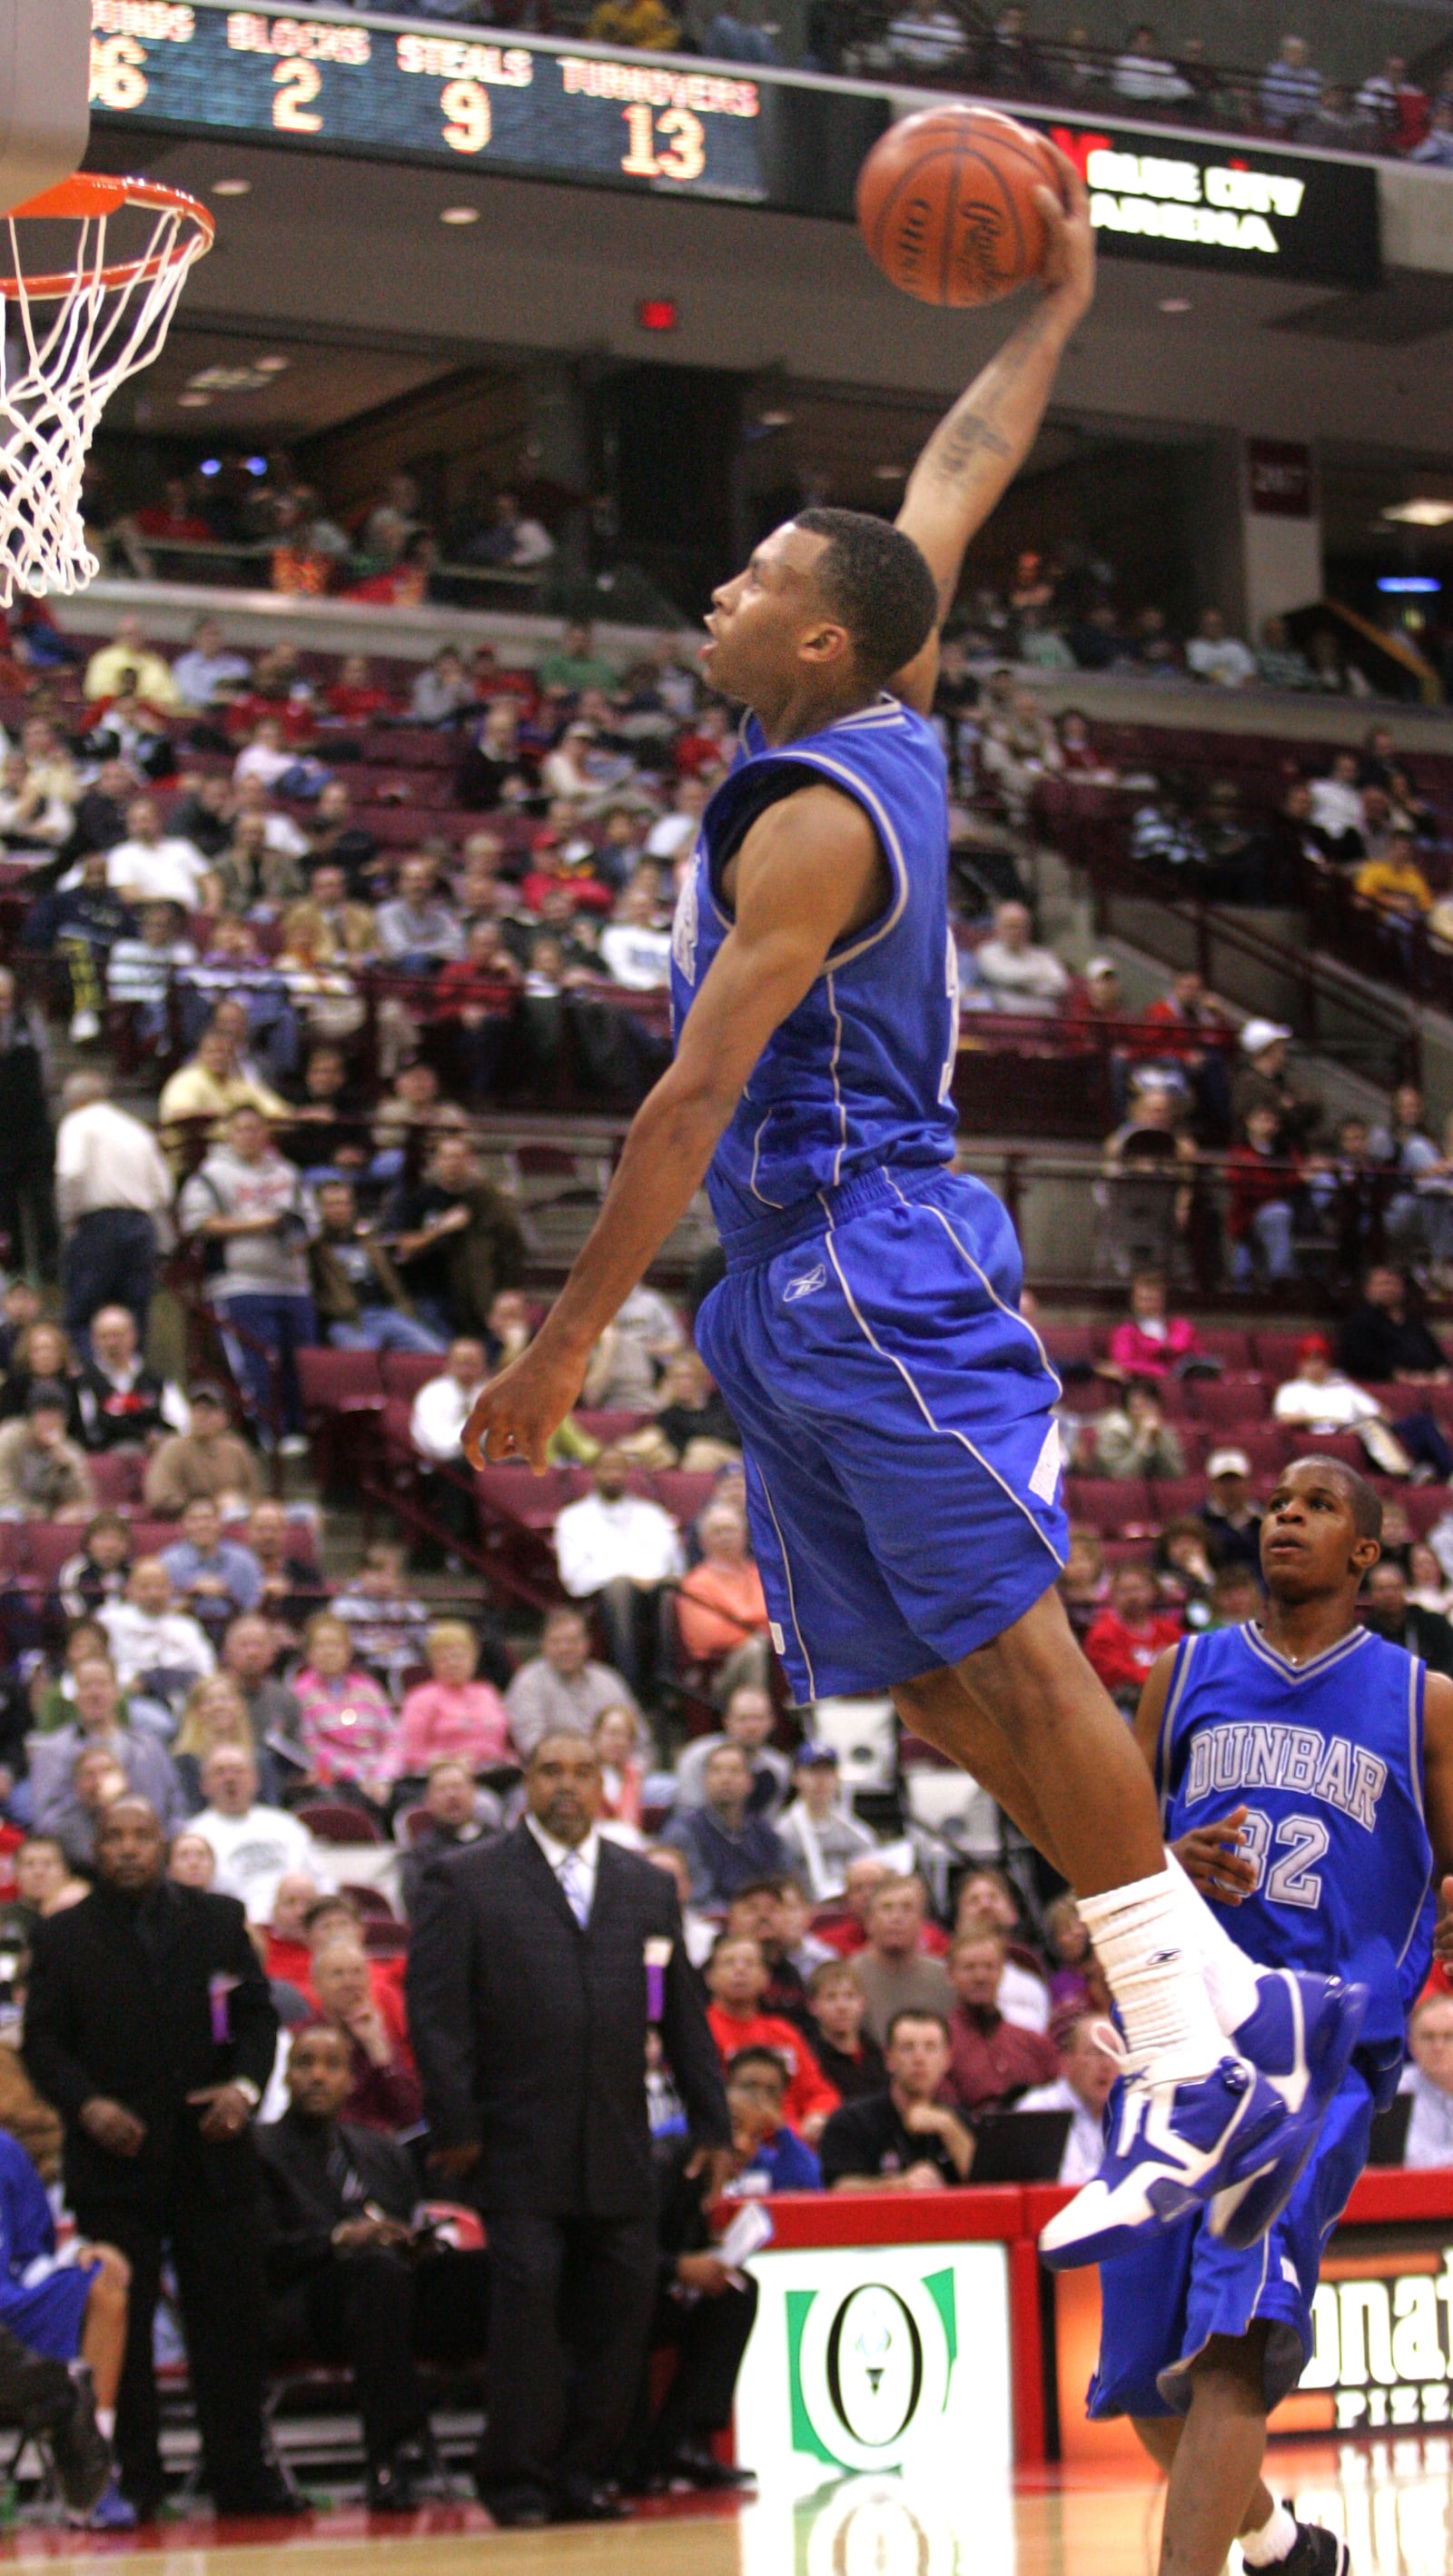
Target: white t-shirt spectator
[[636, 957], [927, 42], [265, 760], [597, 1542], [1018, 976], [174, 1643], [1334, 1404], [199, 676], [1222, 659], [167, 871], [256, 1850], [441, 1410], [1336, 806]]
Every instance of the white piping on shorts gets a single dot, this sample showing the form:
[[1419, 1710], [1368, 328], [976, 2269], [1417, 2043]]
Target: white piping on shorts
[[756, 1158], [787, 1571], [984, 1280], [837, 1090], [944, 1432]]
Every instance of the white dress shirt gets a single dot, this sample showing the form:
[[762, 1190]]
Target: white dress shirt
[[105, 1158], [597, 1542], [441, 1410], [1430, 2125], [586, 1857]]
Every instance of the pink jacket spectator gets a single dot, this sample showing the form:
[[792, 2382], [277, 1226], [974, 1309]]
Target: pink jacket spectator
[[467, 1723], [348, 1725], [1142, 1354]]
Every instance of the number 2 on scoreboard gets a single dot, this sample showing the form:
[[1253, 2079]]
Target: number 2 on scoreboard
[[296, 85], [685, 154]]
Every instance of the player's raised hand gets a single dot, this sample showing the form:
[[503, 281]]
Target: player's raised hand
[[1443, 1935], [520, 1409], [1217, 1862], [1068, 274]]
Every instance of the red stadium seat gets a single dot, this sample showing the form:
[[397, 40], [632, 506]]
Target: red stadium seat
[[1109, 1503], [1276, 1354], [1068, 1344], [611, 1423], [1328, 1444], [117, 1475], [1229, 1346], [1226, 1403], [332, 1820], [1175, 1496], [404, 1372], [328, 1378], [682, 1494]]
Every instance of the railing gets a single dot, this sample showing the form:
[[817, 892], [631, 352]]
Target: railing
[[1328, 1010]]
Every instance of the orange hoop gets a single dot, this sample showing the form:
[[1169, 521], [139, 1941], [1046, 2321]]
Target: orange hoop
[[87, 197], [71, 336]]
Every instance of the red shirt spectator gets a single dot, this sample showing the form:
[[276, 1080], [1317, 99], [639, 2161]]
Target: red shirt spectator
[[1125, 1639], [354, 698], [172, 518], [993, 2059], [1257, 1173], [737, 1974], [1150, 1342], [552, 870]]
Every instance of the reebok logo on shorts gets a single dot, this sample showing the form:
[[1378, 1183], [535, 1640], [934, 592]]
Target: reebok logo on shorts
[[806, 1284], [1045, 1480]]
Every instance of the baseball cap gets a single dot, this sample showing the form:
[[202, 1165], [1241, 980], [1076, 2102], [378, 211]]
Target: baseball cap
[[1315, 1346], [1100, 966], [1227, 1462], [814, 1757], [1260, 1034], [202, 1391]]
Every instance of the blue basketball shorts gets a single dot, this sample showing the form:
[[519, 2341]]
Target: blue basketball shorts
[[903, 1465], [1162, 2304]]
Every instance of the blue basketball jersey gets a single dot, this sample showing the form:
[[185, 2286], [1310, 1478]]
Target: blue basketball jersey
[[860, 1074], [1327, 1757]]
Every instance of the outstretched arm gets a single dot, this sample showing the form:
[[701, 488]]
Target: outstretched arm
[[808, 870], [976, 451]]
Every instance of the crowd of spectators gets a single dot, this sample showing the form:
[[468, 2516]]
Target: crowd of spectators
[[204, 1708], [1096, 68]]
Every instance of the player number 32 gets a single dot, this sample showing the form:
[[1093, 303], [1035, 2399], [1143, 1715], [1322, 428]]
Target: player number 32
[[1302, 1842]]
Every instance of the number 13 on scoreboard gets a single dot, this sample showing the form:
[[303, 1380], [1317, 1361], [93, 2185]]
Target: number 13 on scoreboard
[[685, 154]]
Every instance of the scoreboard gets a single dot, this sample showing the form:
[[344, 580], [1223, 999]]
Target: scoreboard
[[430, 92]]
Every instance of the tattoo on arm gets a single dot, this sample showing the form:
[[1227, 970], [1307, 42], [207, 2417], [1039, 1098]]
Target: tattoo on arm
[[961, 441]]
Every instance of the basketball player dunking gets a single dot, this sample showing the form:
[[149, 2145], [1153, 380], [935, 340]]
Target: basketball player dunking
[[1305, 1770], [903, 1467]]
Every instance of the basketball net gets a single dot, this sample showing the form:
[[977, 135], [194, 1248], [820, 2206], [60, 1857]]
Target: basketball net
[[95, 270]]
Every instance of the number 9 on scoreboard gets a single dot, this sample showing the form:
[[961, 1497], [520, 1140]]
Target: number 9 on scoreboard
[[466, 109]]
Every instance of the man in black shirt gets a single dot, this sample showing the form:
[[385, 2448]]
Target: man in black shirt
[[352, 2278], [1229, 1517], [358, 1295], [1382, 1339], [459, 1813], [124, 1404], [904, 2139], [459, 1241]]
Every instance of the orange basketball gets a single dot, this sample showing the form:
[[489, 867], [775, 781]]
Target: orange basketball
[[946, 204]]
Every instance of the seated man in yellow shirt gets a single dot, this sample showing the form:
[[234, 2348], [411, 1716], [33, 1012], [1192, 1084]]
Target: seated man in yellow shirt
[[643, 23], [129, 662], [1393, 880]]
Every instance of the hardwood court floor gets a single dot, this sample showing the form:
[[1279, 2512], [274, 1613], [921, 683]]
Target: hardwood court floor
[[1393, 2501]]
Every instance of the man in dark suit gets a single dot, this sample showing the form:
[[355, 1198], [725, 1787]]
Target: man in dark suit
[[536, 1966], [353, 2279], [149, 2025]]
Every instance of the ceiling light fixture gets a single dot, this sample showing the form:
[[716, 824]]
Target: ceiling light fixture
[[1175, 304], [271, 366], [459, 214], [1421, 512], [890, 473], [194, 402], [774, 420], [232, 187]]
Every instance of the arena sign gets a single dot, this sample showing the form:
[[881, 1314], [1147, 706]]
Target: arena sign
[[1384, 2341], [537, 107], [1219, 204]]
